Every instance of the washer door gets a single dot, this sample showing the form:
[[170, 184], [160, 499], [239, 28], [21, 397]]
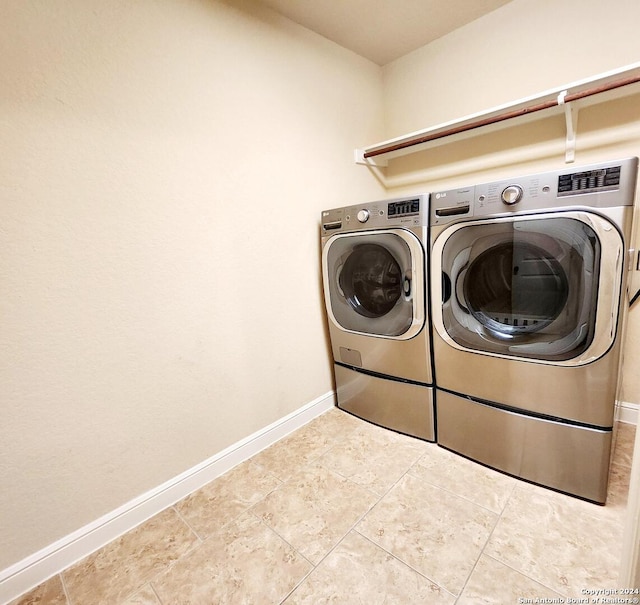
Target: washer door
[[542, 287], [373, 282]]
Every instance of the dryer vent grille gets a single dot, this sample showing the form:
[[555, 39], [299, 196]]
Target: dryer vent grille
[[603, 179]]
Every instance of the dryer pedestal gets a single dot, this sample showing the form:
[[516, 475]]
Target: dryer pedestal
[[402, 406], [569, 458]]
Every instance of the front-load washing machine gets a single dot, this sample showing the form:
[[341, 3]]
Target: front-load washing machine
[[528, 277], [374, 265]]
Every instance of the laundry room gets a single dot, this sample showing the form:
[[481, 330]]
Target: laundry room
[[165, 167]]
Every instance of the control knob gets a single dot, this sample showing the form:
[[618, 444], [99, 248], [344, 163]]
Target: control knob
[[512, 194], [363, 215]]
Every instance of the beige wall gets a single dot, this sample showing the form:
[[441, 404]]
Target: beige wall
[[519, 50], [162, 171], [523, 48]]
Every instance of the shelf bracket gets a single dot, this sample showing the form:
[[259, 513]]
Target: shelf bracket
[[360, 159], [571, 120]]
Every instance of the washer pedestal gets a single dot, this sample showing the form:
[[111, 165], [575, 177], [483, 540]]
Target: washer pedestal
[[395, 404]]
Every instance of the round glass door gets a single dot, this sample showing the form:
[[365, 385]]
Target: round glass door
[[522, 287], [374, 282], [371, 280]]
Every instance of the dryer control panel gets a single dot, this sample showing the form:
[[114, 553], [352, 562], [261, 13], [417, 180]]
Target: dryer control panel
[[600, 186], [411, 211]]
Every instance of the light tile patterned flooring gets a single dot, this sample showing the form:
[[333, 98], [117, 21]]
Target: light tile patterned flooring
[[342, 511]]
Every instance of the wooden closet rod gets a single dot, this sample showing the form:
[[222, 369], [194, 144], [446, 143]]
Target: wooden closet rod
[[504, 116]]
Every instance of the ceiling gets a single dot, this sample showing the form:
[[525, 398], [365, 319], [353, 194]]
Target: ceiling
[[383, 30]]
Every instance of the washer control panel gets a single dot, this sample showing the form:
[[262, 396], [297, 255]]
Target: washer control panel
[[602, 185], [411, 211]]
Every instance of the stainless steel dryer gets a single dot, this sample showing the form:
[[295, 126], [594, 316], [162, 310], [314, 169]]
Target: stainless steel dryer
[[528, 275], [374, 274]]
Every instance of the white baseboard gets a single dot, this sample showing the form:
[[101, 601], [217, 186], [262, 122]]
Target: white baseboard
[[35, 569], [627, 412]]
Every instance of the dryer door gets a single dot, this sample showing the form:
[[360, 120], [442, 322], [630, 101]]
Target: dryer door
[[542, 287], [374, 284]]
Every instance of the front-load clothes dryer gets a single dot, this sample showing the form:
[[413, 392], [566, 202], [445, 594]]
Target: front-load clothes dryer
[[374, 266], [528, 278]]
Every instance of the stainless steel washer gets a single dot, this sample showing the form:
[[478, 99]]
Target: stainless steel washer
[[374, 264], [528, 275]]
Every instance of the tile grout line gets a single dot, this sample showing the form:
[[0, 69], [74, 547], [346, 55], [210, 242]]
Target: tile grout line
[[155, 592], [194, 547], [335, 546], [271, 529], [461, 497], [193, 530], [316, 460], [284, 483], [264, 470], [64, 588], [305, 465], [493, 529], [201, 539], [387, 492], [199, 542], [456, 495], [518, 571], [526, 486], [407, 565], [466, 582]]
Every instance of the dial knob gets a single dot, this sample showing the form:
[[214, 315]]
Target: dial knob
[[363, 216], [512, 194]]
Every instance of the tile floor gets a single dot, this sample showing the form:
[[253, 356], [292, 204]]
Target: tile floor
[[342, 511]]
